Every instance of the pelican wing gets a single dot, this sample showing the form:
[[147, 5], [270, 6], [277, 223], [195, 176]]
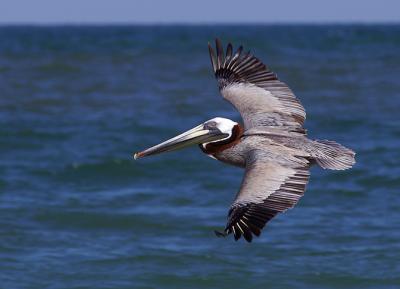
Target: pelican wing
[[272, 184], [255, 91]]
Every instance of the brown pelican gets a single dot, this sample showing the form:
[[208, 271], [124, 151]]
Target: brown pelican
[[271, 144]]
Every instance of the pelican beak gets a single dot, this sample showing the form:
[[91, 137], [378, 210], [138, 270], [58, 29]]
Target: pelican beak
[[196, 135]]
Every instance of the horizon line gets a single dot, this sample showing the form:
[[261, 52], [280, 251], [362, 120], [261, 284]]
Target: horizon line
[[194, 23]]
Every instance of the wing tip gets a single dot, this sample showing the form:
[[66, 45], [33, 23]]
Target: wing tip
[[212, 57], [238, 232], [220, 234]]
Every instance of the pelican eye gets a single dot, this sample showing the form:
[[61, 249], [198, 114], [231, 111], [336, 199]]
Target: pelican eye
[[210, 125]]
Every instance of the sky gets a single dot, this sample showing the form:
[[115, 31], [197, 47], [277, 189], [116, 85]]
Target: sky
[[197, 12]]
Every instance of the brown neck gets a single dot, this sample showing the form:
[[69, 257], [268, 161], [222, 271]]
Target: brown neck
[[219, 146]]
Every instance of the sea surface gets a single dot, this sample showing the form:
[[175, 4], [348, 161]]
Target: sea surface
[[76, 211]]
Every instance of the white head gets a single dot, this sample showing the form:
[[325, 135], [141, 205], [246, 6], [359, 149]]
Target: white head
[[224, 125]]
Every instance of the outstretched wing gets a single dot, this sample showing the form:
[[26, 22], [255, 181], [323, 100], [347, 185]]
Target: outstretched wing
[[272, 184], [255, 91]]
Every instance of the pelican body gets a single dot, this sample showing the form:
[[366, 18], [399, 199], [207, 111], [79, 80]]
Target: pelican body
[[271, 144]]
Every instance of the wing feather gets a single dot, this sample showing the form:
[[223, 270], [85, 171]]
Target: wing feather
[[270, 186], [255, 91]]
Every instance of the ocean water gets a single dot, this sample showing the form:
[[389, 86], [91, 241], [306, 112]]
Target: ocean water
[[76, 211]]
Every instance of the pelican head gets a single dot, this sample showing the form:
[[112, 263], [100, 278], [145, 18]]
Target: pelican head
[[212, 131]]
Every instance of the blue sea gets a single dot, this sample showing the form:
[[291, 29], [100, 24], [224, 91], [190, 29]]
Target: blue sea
[[76, 211]]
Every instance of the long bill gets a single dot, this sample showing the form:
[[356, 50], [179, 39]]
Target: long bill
[[194, 136]]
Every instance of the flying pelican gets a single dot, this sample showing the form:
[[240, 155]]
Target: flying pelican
[[271, 144]]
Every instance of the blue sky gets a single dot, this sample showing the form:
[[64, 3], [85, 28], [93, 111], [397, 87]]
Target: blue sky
[[200, 11]]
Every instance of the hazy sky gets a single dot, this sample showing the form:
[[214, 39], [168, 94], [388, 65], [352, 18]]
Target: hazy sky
[[200, 11]]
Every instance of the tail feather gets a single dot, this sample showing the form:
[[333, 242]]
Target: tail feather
[[333, 156]]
